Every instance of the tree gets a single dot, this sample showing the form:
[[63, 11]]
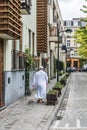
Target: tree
[[81, 36]]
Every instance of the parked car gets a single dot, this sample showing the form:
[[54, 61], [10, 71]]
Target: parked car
[[84, 68], [71, 69]]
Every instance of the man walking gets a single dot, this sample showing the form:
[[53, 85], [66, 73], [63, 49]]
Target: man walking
[[40, 80]]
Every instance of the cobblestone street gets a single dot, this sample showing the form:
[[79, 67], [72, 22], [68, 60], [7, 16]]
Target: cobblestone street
[[26, 114], [76, 110]]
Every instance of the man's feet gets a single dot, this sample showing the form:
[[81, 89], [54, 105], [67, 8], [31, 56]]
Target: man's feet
[[40, 101]]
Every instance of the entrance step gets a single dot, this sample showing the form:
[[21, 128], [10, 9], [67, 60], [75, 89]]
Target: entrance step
[[2, 108]]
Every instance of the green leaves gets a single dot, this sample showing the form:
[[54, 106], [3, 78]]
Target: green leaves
[[52, 91], [28, 59], [58, 85], [81, 36]]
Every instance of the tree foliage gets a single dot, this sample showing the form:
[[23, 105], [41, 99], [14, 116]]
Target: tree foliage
[[81, 36]]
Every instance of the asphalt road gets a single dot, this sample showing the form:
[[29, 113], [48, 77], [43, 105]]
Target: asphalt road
[[75, 115]]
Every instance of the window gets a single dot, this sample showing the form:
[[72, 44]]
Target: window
[[49, 1], [71, 23], [17, 58], [75, 44], [14, 55], [68, 23], [75, 53], [29, 39], [79, 23], [21, 62], [64, 23], [75, 23], [14, 59], [83, 24], [68, 42]]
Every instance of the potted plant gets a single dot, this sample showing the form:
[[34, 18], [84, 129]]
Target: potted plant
[[28, 66], [58, 86], [63, 80], [51, 97]]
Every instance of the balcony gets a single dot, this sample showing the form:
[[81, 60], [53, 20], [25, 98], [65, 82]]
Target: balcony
[[42, 26], [53, 32], [26, 4], [10, 19]]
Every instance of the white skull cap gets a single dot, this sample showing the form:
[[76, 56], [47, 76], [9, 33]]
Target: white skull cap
[[41, 67]]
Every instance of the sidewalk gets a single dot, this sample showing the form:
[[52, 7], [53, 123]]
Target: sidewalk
[[26, 114]]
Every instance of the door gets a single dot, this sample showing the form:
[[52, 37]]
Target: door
[[1, 74], [76, 64]]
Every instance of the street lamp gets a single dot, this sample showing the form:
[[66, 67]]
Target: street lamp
[[58, 32]]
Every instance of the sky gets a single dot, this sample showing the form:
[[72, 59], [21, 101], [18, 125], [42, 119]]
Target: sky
[[71, 8]]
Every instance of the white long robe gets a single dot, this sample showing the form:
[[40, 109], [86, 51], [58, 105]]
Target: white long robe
[[40, 81]]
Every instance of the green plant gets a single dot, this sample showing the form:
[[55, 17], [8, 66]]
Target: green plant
[[29, 60], [64, 78], [67, 74], [28, 66], [52, 91], [60, 73], [58, 85]]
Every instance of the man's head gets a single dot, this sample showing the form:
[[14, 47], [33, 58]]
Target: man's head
[[41, 68]]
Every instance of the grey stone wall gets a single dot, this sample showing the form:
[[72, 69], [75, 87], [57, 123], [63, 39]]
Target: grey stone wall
[[14, 86]]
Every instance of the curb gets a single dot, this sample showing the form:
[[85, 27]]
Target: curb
[[58, 105]]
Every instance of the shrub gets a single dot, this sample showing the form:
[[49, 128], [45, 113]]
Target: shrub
[[52, 91], [58, 85]]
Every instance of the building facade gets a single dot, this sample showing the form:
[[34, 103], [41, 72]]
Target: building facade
[[55, 25], [12, 71], [72, 55], [10, 31], [29, 36], [27, 24]]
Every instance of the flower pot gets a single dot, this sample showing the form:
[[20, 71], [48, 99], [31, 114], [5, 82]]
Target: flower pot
[[58, 89], [52, 99], [63, 82]]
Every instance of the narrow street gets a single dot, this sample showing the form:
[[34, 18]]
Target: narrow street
[[75, 114], [71, 114], [27, 114]]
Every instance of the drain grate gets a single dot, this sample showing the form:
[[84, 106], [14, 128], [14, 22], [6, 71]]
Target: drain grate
[[63, 105]]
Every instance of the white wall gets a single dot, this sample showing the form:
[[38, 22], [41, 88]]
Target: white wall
[[29, 22], [8, 54]]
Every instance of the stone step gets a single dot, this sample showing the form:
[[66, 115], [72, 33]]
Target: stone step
[[2, 108]]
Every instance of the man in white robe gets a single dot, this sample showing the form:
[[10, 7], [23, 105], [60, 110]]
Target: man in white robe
[[40, 80]]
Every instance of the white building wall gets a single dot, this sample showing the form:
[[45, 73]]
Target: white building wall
[[14, 81], [29, 23], [53, 46], [7, 55]]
